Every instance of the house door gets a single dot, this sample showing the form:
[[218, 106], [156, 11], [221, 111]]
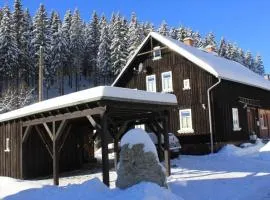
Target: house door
[[252, 120], [264, 116]]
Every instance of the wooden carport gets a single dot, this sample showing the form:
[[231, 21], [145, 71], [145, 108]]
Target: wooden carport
[[109, 110]]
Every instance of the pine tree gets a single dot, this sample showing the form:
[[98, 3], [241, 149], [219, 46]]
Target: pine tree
[[147, 28], [222, 48], [197, 40], [17, 26], [241, 56], [103, 58], [259, 68], [119, 45], [42, 37], [92, 36], [248, 60], [210, 40], [26, 61], [173, 33], [8, 47], [182, 34], [76, 46], [135, 34], [163, 29]]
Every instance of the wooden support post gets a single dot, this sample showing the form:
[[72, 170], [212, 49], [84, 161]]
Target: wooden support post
[[166, 144], [104, 147], [21, 151], [159, 147], [55, 157], [116, 152]]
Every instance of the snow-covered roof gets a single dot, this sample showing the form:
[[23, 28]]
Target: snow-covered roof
[[215, 65], [90, 95]]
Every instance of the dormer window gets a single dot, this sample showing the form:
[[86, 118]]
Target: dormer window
[[186, 84], [156, 53]]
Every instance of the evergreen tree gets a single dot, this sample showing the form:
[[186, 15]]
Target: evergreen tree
[[119, 45], [222, 48], [76, 46], [135, 34], [182, 34], [17, 24], [103, 58], [26, 50], [248, 60], [259, 68], [173, 33], [163, 29], [210, 40], [92, 36], [197, 40], [8, 47], [241, 56], [147, 28], [42, 37]]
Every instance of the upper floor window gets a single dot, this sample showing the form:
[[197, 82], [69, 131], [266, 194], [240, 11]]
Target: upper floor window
[[186, 84], [7, 145], [185, 121], [167, 81], [263, 121], [235, 116], [151, 83], [156, 53]]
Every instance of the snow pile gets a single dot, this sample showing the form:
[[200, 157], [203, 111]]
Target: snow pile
[[91, 190], [246, 149], [139, 136], [265, 152]]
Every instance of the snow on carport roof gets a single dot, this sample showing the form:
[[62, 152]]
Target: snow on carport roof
[[216, 65], [90, 95]]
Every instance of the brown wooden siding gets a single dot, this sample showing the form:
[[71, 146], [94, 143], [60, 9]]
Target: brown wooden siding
[[10, 161], [194, 98]]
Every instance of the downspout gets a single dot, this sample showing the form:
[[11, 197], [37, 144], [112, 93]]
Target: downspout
[[210, 113]]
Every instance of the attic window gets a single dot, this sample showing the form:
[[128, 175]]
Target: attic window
[[186, 84], [156, 53], [7, 145]]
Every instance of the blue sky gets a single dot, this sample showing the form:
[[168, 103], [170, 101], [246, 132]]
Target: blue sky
[[246, 22]]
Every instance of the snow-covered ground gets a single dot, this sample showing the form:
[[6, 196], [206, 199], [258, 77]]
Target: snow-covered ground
[[233, 173]]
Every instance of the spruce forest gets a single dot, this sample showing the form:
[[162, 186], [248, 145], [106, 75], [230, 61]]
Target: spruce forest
[[80, 54]]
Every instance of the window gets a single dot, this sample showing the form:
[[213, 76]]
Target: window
[[167, 81], [151, 83], [235, 116], [156, 53], [263, 121], [7, 145], [186, 84], [141, 126], [185, 121]]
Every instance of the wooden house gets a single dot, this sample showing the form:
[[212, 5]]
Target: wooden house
[[219, 101]]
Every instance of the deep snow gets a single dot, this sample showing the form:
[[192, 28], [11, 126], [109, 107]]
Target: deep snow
[[233, 173]]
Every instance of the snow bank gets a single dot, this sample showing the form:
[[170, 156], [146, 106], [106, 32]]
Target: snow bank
[[265, 152], [139, 136], [91, 190]]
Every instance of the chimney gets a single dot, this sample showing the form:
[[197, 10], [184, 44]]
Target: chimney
[[210, 48], [188, 41]]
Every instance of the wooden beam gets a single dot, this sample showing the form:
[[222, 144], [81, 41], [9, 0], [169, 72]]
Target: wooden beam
[[166, 145], [105, 151], [21, 151], [48, 130], [55, 157], [147, 52], [44, 141], [64, 138], [26, 133], [61, 129], [66, 116], [93, 122], [116, 152]]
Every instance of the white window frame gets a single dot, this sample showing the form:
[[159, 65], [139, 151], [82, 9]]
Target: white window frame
[[155, 83], [184, 129], [186, 84], [170, 88], [155, 50], [235, 119], [141, 126], [7, 145], [262, 122]]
